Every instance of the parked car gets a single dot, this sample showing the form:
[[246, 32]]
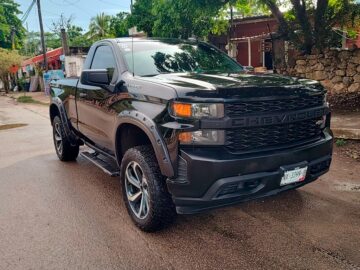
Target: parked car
[[186, 129]]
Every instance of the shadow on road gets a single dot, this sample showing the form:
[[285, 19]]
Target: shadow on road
[[74, 211]]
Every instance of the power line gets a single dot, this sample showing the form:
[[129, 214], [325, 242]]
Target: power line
[[27, 12], [114, 4]]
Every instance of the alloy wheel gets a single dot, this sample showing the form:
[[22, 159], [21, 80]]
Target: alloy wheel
[[137, 190], [58, 138]]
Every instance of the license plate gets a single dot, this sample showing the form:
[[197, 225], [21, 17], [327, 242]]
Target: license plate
[[293, 176]]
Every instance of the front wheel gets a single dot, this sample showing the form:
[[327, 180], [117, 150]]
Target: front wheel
[[147, 199], [64, 150]]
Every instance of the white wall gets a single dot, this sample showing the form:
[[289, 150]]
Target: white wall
[[74, 65]]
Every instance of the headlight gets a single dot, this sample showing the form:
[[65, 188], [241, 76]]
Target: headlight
[[197, 110], [203, 137]]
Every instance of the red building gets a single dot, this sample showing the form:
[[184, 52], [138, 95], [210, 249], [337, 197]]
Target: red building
[[53, 59], [251, 39]]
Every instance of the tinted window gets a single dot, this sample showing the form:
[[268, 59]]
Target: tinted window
[[104, 59], [155, 57]]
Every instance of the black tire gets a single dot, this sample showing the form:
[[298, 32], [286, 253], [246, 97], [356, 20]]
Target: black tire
[[160, 207], [64, 150]]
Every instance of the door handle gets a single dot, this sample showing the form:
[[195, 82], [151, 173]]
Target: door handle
[[82, 95]]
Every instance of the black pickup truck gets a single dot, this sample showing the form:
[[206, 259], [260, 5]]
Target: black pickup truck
[[187, 129]]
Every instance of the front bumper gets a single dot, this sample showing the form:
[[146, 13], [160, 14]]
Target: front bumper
[[210, 178]]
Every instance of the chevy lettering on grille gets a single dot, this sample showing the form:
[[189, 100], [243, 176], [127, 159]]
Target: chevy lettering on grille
[[281, 118]]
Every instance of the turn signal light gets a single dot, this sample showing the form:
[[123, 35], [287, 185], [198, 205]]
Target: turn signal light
[[185, 137], [181, 109]]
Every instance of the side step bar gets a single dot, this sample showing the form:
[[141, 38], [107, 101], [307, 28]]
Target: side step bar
[[104, 163]]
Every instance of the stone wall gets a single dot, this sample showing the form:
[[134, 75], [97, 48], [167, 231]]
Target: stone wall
[[337, 70]]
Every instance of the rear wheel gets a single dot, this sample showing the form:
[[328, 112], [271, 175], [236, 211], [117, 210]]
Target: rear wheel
[[64, 150], [147, 200]]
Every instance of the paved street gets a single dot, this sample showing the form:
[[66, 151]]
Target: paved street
[[56, 215]]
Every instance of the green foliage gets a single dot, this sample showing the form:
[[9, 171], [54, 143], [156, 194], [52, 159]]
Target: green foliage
[[74, 33], [52, 40], [119, 24], [99, 27], [29, 99], [246, 8], [142, 16], [340, 142], [8, 58], [179, 18], [309, 25], [9, 22]]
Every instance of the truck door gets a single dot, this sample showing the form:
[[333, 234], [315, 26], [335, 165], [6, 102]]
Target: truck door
[[95, 118]]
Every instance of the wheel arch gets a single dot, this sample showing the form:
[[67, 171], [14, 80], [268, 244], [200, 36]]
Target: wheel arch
[[147, 132], [57, 109], [53, 111]]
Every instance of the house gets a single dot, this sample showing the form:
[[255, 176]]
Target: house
[[72, 64], [250, 41], [53, 59]]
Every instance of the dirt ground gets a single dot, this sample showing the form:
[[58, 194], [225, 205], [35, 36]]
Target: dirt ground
[[56, 215], [349, 148]]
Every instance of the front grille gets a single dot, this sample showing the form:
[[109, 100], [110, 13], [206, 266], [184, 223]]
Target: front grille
[[276, 136], [238, 109]]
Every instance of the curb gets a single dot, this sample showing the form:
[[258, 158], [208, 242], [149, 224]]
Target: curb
[[346, 133]]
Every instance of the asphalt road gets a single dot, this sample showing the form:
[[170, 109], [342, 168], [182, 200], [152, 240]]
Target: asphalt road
[[56, 215]]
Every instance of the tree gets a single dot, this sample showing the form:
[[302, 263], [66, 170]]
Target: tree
[[52, 40], [74, 33], [178, 18], [142, 16], [100, 27], [309, 24], [246, 8], [10, 24], [119, 24], [8, 59]]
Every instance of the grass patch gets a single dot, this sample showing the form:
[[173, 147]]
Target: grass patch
[[340, 142], [29, 99]]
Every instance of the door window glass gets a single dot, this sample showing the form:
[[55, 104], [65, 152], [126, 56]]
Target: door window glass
[[104, 59]]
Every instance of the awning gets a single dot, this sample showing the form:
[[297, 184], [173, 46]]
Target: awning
[[50, 55]]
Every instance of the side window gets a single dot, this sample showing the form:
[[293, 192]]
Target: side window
[[104, 59]]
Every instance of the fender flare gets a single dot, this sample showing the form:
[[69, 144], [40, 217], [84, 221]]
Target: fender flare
[[62, 113], [148, 126]]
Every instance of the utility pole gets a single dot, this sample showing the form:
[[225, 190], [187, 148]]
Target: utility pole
[[64, 41], [27, 39], [12, 37], [42, 34]]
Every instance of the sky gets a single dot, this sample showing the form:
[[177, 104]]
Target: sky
[[81, 10]]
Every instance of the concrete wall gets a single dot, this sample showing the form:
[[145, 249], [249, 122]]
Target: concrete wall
[[74, 65]]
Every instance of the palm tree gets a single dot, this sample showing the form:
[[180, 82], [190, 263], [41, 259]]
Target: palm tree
[[100, 26]]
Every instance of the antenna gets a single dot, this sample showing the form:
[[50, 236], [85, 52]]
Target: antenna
[[132, 54], [132, 40]]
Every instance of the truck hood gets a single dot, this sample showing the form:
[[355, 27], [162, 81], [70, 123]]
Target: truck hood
[[236, 86]]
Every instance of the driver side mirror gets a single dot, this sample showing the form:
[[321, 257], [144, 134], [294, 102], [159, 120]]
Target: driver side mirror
[[95, 77]]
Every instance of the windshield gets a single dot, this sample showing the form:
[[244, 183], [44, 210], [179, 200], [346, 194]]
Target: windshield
[[155, 57]]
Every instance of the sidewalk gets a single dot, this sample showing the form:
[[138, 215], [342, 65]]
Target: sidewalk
[[346, 125], [37, 96]]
